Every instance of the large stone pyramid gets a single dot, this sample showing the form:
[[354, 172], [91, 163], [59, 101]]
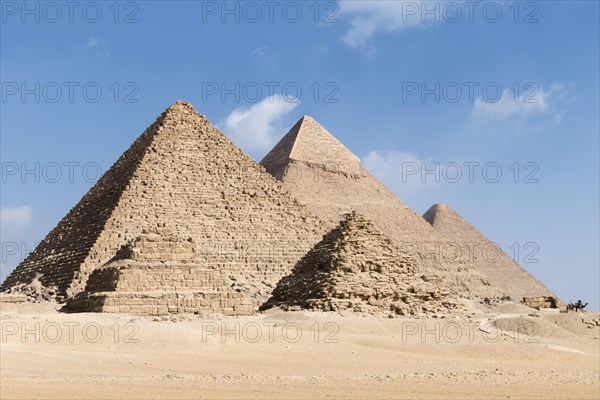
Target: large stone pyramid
[[185, 174], [326, 177], [356, 267], [501, 270]]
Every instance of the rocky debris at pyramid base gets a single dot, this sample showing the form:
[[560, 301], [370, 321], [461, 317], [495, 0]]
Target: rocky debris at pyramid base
[[33, 292], [357, 268], [540, 302], [158, 274]]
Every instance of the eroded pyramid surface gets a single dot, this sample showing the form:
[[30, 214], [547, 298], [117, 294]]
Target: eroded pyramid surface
[[159, 273], [183, 172], [357, 268]]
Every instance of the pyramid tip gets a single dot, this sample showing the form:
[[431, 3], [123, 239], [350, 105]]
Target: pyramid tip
[[181, 106], [309, 142], [437, 210], [303, 119], [180, 109]]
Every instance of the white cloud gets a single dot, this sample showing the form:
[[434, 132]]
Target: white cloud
[[263, 55], [370, 17], [93, 42], [100, 47], [396, 169], [530, 100], [14, 219], [255, 128]]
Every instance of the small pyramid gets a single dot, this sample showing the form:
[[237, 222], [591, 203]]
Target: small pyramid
[[184, 172], [330, 181], [500, 269], [357, 268], [159, 273]]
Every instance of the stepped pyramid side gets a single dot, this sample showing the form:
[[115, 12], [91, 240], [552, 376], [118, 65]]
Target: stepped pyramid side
[[183, 172], [356, 267], [501, 270], [331, 182], [157, 274], [60, 255]]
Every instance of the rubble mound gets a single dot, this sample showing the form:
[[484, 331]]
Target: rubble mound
[[357, 268], [33, 292]]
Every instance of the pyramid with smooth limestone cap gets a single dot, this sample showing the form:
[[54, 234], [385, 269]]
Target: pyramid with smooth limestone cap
[[329, 179]]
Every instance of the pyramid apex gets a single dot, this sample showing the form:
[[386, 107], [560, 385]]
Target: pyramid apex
[[309, 142], [431, 214], [181, 107], [440, 207]]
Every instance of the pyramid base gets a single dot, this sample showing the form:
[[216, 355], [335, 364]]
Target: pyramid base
[[163, 303], [12, 298], [380, 308]]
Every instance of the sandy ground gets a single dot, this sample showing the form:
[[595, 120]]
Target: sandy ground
[[52, 355]]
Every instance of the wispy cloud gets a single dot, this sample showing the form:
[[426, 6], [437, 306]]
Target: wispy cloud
[[99, 46], [396, 169], [370, 17], [14, 219], [533, 100], [256, 128], [263, 55]]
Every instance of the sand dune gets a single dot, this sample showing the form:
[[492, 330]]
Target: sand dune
[[296, 355]]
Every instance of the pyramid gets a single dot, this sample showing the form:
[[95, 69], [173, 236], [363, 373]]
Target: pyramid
[[356, 267], [159, 273], [326, 177], [500, 269], [186, 175]]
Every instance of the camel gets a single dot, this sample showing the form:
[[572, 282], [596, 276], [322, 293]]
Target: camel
[[578, 306]]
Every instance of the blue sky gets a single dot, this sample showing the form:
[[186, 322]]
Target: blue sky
[[381, 76]]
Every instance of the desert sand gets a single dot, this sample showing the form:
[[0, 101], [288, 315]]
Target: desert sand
[[494, 352]]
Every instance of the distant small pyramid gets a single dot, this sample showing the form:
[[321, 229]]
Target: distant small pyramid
[[356, 267], [329, 180], [500, 269], [184, 172]]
